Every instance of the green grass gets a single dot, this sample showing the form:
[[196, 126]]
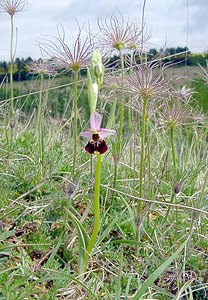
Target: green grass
[[201, 90]]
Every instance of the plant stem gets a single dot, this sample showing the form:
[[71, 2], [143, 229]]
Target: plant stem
[[173, 196], [96, 209], [148, 155], [40, 125], [121, 104], [139, 205], [142, 148], [119, 141], [114, 183], [129, 111], [11, 68], [172, 147], [40, 108], [134, 150], [75, 123], [169, 207]]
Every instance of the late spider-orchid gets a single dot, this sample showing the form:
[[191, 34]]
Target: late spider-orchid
[[96, 135]]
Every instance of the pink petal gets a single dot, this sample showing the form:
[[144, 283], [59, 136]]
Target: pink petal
[[104, 132], [95, 121], [87, 134]]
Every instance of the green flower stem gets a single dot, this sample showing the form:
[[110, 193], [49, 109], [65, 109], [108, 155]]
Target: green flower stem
[[172, 146], [148, 154], [142, 148], [129, 109], [119, 141], [173, 196], [115, 176], [110, 124], [139, 205], [169, 207], [134, 150], [75, 123], [91, 166], [96, 209], [121, 116], [121, 105], [11, 68], [40, 108], [40, 125]]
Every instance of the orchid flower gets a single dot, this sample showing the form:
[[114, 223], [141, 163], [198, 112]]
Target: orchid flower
[[96, 135]]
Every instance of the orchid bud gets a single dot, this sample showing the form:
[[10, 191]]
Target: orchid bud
[[97, 68], [92, 92]]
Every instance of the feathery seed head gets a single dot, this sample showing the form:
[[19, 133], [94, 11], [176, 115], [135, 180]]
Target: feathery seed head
[[119, 35], [146, 81], [43, 68], [72, 58], [184, 93], [13, 6], [176, 113]]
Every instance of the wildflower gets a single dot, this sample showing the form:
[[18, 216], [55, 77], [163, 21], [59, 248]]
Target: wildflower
[[118, 34], [13, 6], [184, 93], [96, 134], [146, 81], [176, 113], [43, 68], [75, 58], [199, 117], [177, 188]]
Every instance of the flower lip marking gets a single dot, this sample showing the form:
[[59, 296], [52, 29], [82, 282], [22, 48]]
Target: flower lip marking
[[96, 135], [93, 147]]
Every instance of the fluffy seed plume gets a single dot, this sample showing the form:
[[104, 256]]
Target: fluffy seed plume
[[74, 57], [43, 67], [146, 81], [13, 6], [118, 34], [176, 113]]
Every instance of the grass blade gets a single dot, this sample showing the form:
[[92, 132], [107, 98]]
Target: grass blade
[[158, 272], [83, 240]]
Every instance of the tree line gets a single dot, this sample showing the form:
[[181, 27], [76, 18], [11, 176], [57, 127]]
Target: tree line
[[21, 69], [178, 56]]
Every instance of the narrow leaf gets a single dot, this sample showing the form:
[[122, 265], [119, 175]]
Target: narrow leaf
[[83, 240], [158, 272]]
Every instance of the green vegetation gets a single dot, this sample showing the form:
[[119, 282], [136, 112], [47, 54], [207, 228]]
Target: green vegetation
[[179, 56], [201, 93]]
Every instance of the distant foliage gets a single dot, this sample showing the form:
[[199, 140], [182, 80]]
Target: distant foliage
[[201, 91], [21, 69], [177, 55]]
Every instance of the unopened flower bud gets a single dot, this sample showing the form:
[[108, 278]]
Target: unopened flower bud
[[177, 188]]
